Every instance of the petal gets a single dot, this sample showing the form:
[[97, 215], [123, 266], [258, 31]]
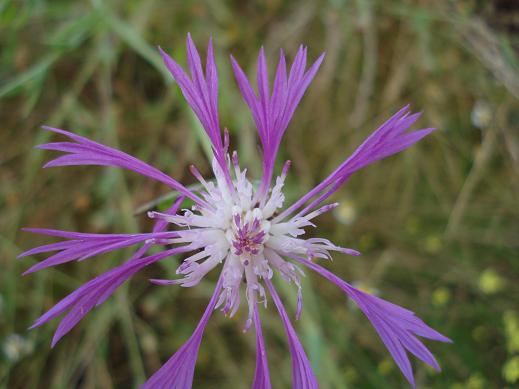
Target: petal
[[249, 96], [302, 374], [279, 90], [262, 80], [199, 84], [178, 371], [211, 75], [87, 246], [70, 234], [273, 113], [298, 91], [202, 95], [390, 138], [261, 375], [87, 152], [48, 247], [397, 327], [97, 290]]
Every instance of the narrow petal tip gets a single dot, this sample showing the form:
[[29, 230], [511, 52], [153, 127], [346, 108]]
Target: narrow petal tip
[[156, 281], [55, 340], [443, 338], [234, 63], [162, 53], [29, 271]]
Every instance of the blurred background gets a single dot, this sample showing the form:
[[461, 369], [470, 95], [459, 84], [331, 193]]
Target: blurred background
[[438, 224]]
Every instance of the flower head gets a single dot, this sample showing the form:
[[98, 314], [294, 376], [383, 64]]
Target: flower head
[[243, 231]]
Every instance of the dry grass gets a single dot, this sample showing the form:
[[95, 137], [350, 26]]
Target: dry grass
[[437, 224]]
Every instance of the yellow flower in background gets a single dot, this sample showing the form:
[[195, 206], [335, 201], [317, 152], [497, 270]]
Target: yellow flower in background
[[441, 296], [346, 212], [475, 381], [490, 282], [385, 366], [511, 322], [433, 244], [511, 370]]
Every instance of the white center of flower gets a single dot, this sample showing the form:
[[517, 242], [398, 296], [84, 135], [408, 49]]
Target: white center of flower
[[238, 229]]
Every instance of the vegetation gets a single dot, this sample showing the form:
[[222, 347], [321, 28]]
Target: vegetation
[[437, 224]]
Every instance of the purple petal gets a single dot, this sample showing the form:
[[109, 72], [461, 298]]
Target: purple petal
[[178, 371], [87, 152], [261, 374], [164, 282], [298, 91], [71, 234], [87, 246], [211, 76], [249, 96], [200, 86], [68, 255], [202, 96], [273, 113], [394, 347], [279, 90], [397, 327], [97, 290], [48, 247], [302, 374], [390, 138], [262, 80]]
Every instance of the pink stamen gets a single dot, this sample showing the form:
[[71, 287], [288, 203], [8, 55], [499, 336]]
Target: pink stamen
[[249, 237]]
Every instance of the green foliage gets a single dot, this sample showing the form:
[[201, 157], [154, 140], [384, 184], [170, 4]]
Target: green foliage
[[437, 224]]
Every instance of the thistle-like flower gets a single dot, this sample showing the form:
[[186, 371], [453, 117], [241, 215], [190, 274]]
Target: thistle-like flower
[[235, 227]]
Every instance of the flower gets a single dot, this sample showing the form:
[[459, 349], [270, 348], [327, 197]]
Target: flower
[[233, 226]]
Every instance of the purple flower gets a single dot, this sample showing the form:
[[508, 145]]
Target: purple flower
[[233, 226]]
